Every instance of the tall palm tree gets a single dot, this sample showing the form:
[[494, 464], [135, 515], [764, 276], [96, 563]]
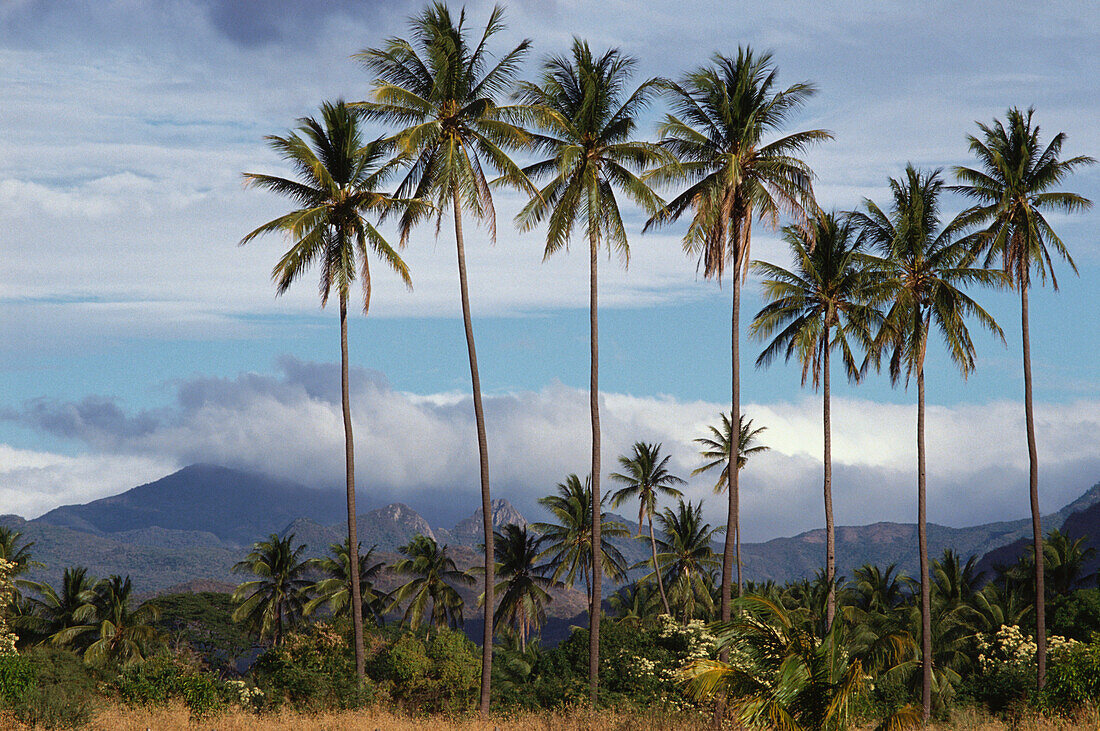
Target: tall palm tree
[[339, 176], [919, 274], [686, 557], [588, 119], [819, 306], [645, 476], [120, 635], [569, 541], [1013, 186], [277, 598], [433, 576], [716, 449], [441, 90], [721, 115], [524, 589], [334, 589]]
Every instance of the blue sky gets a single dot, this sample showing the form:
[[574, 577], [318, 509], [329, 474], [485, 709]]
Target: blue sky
[[126, 126]]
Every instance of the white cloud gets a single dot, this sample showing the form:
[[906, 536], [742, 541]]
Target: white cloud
[[421, 449]]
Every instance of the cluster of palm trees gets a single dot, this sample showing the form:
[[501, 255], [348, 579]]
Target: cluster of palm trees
[[872, 284]]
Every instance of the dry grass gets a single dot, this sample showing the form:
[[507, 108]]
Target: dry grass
[[177, 718]]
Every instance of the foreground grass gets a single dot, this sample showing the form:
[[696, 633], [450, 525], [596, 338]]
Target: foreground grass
[[177, 717]]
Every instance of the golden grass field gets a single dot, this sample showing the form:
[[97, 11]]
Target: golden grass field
[[173, 718]]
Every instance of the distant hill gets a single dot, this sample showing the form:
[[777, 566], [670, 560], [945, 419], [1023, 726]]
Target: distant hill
[[235, 506], [196, 523]]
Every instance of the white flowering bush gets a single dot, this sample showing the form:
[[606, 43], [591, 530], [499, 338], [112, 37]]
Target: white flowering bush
[[1009, 648], [7, 637], [245, 695]]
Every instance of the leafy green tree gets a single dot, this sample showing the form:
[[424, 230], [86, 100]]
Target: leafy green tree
[[588, 120], [635, 601], [523, 589], [919, 274], [785, 677], [821, 305], [721, 115], [334, 588], [120, 635], [569, 541], [1014, 189], [645, 476], [338, 185], [440, 88], [685, 557], [433, 578], [716, 449], [276, 599]]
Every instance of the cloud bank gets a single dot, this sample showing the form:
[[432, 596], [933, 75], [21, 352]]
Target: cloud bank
[[419, 448]]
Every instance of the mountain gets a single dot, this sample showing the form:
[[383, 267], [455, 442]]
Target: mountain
[[469, 532], [236, 507]]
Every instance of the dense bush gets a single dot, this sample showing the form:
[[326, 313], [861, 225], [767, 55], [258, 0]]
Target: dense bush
[[49, 687], [437, 672], [312, 669], [1073, 678], [167, 677]]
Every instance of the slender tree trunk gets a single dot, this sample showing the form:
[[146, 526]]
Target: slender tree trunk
[[483, 456], [353, 531], [594, 403], [656, 568], [830, 533], [732, 516], [922, 540], [1033, 487]]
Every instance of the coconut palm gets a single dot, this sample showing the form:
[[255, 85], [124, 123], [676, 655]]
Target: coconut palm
[[716, 449], [920, 273], [635, 601], [569, 541], [118, 634], [334, 589], [819, 306], [277, 598], [433, 578], [721, 115], [786, 677], [686, 558], [16, 549], [588, 119], [53, 612], [339, 178], [1014, 189], [523, 589], [441, 90], [645, 476]]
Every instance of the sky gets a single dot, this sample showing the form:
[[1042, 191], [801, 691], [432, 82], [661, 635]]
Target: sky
[[136, 337]]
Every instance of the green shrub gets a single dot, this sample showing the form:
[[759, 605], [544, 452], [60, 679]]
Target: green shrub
[[165, 677], [439, 672], [61, 693], [1073, 678], [312, 670], [17, 679]]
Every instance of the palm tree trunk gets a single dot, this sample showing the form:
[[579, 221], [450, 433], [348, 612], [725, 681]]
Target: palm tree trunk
[[732, 517], [830, 534], [483, 455], [594, 404], [353, 531], [922, 541], [1033, 487], [656, 569]]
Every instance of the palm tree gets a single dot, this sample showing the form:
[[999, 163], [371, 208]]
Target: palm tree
[[721, 115], [524, 590], [786, 677], [634, 602], [440, 89], [434, 575], [645, 476], [588, 121], [1013, 189], [686, 557], [1066, 558], [334, 589], [53, 612], [919, 276], [339, 176], [569, 541], [716, 449], [817, 307], [14, 548], [277, 598], [121, 635]]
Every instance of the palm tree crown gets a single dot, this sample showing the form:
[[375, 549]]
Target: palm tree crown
[[715, 448], [277, 597], [334, 589], [433, 576], [523, 588]]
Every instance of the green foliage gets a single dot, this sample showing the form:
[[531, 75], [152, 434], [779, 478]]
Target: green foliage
[[203, 621], [157, 680], [17, 678], [311, 670], [48, 687], [437, 673], [1073, 678], [1075, 615]]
